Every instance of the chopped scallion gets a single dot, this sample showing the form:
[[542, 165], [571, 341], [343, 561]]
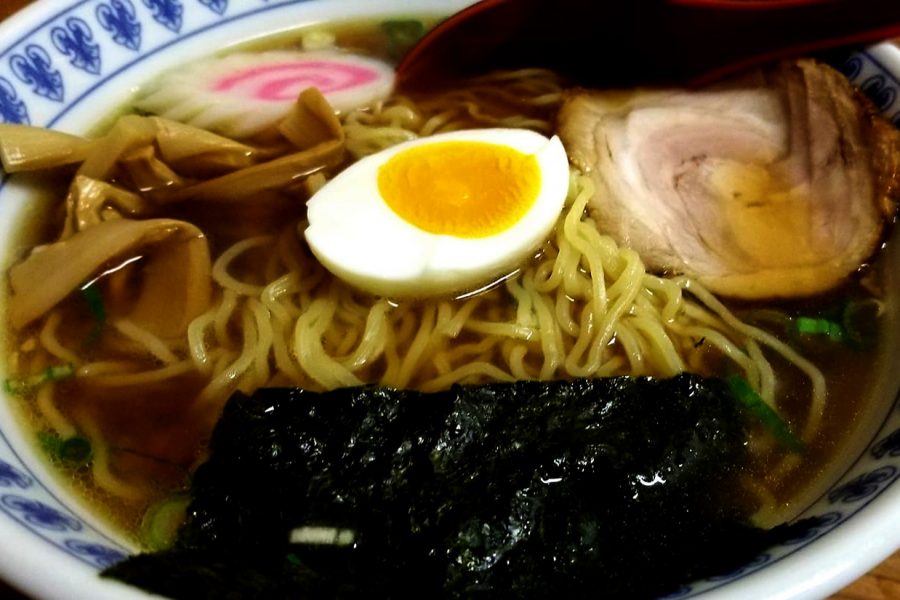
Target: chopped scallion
[[402, 34], [819, 326], [860, 319], [74, 451], [293, 559], [25, 385], [94, 299], [764, 413], [162, 520]]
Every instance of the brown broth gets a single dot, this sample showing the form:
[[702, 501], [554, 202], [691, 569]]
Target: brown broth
[[157, 435]]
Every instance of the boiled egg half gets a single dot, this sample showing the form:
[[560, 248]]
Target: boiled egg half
[[440, 215]]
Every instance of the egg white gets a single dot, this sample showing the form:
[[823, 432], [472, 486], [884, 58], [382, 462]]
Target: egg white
[[355, 234]]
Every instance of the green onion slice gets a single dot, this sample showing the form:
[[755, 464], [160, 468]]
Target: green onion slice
[[23, 386], [764, 413]]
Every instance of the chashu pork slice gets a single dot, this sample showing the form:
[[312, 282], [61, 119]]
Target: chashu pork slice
[[779, 184]]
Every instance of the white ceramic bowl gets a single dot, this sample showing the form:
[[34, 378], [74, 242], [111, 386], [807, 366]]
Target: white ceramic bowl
[[66, 63]]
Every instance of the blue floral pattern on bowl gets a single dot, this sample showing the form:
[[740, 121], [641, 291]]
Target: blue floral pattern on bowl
[[81, 45], [76, 40], [30, 503], [120, 20], [34, 68], [167, 13], [34, 90]]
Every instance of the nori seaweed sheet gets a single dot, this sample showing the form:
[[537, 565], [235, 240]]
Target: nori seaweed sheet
[[600, 488]]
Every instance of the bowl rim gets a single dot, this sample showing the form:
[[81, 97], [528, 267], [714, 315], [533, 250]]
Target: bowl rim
[[852, 547]]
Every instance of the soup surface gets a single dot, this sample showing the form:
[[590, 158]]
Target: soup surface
[[124, 409]]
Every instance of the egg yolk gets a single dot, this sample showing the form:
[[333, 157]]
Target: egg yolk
[[458, 188]]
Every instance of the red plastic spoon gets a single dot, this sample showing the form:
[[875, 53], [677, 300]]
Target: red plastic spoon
[[632, 42]]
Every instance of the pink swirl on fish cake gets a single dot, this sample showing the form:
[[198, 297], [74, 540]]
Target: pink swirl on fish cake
[[284, 81]]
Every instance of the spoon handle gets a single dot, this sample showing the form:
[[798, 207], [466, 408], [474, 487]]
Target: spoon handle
[[638, 42], [749, 4], [744, 33]]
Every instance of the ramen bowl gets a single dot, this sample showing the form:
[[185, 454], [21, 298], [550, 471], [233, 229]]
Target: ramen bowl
[[70, 64]]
